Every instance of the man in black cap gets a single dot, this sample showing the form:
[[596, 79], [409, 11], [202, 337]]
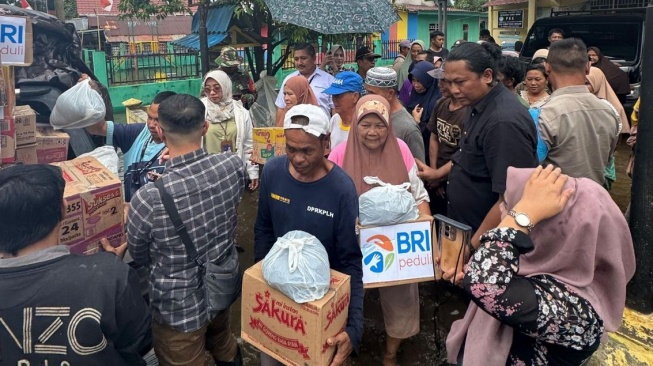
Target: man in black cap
[[365, 59]]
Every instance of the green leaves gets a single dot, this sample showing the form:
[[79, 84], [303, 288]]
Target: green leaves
[[388, 261]]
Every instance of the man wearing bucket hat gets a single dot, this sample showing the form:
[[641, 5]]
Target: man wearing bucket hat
[[242, 85], [382, 81], [302, 190], [345, 90], [404, 48]]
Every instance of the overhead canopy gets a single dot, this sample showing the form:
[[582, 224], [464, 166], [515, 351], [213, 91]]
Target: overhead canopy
[[217, 23]]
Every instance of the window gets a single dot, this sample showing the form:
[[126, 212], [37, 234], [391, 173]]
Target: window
[[618, 41], [433, 27], [483, 25], [466, 32]]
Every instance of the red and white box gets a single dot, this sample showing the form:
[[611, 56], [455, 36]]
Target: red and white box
[[94, 206], [294, 334]]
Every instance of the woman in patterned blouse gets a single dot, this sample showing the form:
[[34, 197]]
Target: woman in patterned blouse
[[546, 296]]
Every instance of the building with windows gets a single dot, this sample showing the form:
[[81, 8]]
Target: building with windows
[[419, 18]]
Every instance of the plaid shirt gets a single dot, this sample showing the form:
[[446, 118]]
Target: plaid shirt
[[206, 190]]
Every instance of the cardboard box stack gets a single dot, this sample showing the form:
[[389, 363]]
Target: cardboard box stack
[[398, 254], [94, 206], [51, 145], [295, 334], [25, 120], [268, 143]]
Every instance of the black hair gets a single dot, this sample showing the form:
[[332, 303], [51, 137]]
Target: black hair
[[518, 46], [537, 66], [479, 57], [181, 114], [512, 67], [436, 34], [568, 56], [429, 58], [162, 96], [484, 32], [310, 50], [31, 199], [557, 30], [492, 40], [538, 60]]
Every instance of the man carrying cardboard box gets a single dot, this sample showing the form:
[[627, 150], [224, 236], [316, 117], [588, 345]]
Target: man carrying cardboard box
[[304, 191], [65, 309], [205, 189], [139, 142]]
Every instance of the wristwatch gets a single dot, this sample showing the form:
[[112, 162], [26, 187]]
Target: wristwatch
[[522, 220]]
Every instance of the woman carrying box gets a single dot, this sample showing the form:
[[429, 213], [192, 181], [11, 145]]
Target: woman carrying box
[[374, 150]]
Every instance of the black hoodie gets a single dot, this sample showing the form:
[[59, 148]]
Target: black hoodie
[[62, 309]]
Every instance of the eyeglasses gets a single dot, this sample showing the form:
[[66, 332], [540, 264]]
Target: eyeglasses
[[215, 89]]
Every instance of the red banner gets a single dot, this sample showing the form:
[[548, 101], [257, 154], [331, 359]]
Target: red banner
[[292, 344]]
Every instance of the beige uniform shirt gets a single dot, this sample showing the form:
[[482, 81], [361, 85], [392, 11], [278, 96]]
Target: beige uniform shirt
[[580, 131]]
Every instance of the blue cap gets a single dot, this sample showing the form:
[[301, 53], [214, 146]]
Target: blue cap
[[346, 81]]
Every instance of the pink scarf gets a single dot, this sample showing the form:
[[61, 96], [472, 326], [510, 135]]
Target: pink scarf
[[587, 246]]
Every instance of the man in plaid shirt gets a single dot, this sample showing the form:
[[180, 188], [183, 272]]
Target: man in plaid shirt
[[206, 190]]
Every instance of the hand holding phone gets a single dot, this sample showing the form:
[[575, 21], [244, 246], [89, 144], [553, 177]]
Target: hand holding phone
[[453, 240]]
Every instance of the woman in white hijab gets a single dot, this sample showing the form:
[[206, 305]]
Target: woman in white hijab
[[230, 126]]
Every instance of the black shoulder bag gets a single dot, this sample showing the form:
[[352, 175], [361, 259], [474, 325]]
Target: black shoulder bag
[[141, 172], [221, 280]]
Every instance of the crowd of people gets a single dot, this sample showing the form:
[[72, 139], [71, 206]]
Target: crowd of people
[[520, 153]]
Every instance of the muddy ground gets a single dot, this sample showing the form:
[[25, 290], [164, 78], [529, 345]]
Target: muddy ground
[[440, 304]]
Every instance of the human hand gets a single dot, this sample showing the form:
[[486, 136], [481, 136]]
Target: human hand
[[343, 348], [253, 184], [417, 113], [543, 195], [118, 251], [165, 156], [449, 274], [426, 173]]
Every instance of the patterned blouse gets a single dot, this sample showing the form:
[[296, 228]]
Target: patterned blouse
[[553, 325]]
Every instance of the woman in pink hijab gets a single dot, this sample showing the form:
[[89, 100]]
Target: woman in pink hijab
[[550, 279]]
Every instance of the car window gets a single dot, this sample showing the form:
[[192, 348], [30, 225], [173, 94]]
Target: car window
[[618, 41]]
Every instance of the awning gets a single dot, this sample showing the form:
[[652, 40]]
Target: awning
[[503, 2], [217, 23], [192, 41]]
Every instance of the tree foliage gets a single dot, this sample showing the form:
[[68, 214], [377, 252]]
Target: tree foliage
[[70, 9], [471, 5], [251, 16]]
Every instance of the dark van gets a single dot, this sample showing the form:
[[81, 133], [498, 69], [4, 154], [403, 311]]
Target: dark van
[[619, 37]]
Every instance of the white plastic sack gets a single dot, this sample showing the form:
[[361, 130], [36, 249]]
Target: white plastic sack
[[387, 204], [298, 266], [107, 156], [78, 107]]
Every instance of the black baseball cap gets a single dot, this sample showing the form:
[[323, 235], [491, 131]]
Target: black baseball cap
[[365, 51]]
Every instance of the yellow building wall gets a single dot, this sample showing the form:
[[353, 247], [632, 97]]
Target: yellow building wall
[[509, 34], [402, 26]]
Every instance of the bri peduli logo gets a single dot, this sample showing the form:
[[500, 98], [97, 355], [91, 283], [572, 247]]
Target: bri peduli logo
[[379, 253]]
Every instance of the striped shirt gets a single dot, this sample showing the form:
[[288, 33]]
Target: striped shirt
[[206, 190]]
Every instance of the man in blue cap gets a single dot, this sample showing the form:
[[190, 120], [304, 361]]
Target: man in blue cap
[[345, 90]]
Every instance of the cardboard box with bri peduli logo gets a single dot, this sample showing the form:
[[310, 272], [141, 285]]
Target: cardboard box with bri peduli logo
[[94, 206], [398, 254], [294, 334]]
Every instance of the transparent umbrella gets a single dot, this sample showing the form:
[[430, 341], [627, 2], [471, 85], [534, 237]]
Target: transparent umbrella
[[335, 16]]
